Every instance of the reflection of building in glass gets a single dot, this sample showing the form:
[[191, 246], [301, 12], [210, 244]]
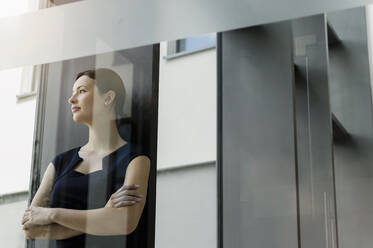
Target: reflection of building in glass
[[190, 45], [186, 183], [186, 148], [17, 128], [187, 192]]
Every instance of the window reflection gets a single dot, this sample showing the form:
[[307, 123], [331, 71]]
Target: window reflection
[[96, 154]]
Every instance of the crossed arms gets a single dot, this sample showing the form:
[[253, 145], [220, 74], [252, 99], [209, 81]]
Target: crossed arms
[[120, 216]]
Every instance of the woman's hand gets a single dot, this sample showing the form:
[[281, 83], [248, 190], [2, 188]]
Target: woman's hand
[[34, 232], [37, 216], [125, 196]]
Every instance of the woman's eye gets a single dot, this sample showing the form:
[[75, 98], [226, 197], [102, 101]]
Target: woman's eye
[[81, 91]]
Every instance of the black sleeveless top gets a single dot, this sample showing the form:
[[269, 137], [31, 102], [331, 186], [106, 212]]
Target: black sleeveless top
[[75, 190]]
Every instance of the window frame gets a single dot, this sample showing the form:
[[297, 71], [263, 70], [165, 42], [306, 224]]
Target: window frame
[[174, 46]]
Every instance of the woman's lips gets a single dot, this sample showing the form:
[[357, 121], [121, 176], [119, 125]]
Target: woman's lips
[[75, 109]]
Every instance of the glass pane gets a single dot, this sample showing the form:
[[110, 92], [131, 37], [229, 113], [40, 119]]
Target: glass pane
[[295, 132], [51, 34], [186, 179], [263, 140], [197, 42], [96, 147]]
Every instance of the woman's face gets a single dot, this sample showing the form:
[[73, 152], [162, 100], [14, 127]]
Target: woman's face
[[85, 100]]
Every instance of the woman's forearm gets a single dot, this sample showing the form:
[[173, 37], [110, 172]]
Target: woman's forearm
[[103, 221], [51, 232], [56, 231]]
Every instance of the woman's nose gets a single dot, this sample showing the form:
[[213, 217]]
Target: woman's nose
[[72, 99]]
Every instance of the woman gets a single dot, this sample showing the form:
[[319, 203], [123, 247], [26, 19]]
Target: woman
[[90, 195]]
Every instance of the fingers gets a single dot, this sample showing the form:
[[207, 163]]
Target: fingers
[[125, 201], [127, 187], [128, 193], [26, 215], [126, 198], [25, 219], [27, 225], [121, 204], [124, 204]]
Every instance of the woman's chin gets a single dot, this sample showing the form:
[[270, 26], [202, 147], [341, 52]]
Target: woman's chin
[[77, 119], [80, 120]]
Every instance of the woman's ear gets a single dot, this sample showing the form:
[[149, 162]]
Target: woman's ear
[[109, 97]]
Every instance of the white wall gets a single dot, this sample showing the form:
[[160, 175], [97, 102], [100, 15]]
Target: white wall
[[187, 109], [186, 196], [16, 132], [186, 208], [17, 7], [17, 119], [11, 233]]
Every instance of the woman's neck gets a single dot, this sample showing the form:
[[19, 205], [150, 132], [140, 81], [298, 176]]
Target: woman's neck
[[104, 137]]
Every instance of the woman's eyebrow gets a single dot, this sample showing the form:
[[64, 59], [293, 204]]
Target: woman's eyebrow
[[79, 87]]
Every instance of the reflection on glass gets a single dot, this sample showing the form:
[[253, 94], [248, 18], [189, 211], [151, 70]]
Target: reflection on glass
[[114, 170], [17, 7], [296, 133], [94, 190], [297, 127], [194, 43]]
